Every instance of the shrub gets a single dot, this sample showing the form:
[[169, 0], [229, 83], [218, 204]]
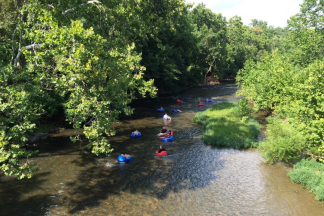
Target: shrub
[[245, 119], [283, 142], [244, 107]]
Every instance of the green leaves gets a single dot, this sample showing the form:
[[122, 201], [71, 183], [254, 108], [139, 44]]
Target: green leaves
[[306, 36], [291, 85], [244, 107], [309, 173], [283, 142], [84, 65]]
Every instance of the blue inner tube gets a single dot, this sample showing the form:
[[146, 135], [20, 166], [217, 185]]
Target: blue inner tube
[[208, 100], [133, 135], [168, 139], [122, 159], [175, 111], [166, 118], [161, 110]]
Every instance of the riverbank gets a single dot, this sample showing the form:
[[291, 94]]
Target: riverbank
[[224, 127], [285, 143]]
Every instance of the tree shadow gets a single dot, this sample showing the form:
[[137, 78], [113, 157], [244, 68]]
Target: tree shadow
[[13, 195], [186, 168]]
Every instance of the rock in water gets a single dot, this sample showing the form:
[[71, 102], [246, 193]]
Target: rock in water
[[36, 137]]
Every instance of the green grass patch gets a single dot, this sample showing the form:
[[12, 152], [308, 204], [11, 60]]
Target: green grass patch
[[224, 127], [283, 142], [311, 174]]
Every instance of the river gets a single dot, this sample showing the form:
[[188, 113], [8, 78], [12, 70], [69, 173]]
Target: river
[[194, 179]]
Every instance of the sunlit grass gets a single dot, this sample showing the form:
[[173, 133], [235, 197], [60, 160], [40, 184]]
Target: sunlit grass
[[223, 127], [309, 173]]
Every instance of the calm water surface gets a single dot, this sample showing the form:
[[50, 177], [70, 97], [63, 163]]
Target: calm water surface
[[195, 179]]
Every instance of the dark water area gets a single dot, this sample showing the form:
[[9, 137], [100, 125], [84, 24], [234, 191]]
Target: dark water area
[[194, 179]]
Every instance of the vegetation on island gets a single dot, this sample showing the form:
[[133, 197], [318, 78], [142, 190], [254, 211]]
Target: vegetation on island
[[225, 127]]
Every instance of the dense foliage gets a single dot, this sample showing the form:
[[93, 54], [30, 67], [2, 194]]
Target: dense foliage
[[283, 142], [288, 83], [223, 127], [71, 55]]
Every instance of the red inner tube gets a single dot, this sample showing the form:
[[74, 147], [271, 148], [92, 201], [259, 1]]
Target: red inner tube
[[163, 153], [201, 104], [179, 101]]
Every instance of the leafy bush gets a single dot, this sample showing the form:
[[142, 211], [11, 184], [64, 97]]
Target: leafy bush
[[311, 174], [223, 127], [245, 119], [244, 107], [283, 142]]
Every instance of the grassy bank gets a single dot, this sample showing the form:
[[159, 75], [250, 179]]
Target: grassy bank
[[284, 143], [224, 127], [311, 174]]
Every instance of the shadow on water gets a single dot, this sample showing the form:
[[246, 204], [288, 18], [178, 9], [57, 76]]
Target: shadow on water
[[13, 191], [153, 176], [189, 166]]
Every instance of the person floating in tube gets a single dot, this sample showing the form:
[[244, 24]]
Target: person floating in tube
[[161, 109], [166, 116], [136, 132], [161, 149], [166, 135], [176, 110], [163, 131], [126, 155]]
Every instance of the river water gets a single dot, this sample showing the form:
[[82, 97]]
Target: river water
[[195, 179]]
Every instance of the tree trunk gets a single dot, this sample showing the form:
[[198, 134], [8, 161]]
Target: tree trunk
[[210, 68]]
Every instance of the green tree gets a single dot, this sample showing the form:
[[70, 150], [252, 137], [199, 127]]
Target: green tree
[[306, 35], [169, 53], [211, 35], [80, 54]]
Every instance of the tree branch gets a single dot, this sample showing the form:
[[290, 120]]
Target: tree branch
[[82, 5], [93, 118], [210, 68], [29, 47], [13, 39], [13, 48], [16, 62], [313, 155], [32, 46], [51, 6]]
